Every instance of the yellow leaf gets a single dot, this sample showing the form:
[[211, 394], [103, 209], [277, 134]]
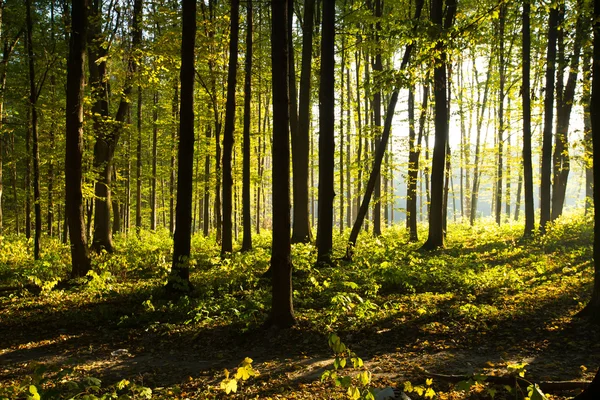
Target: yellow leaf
[[429, 381]]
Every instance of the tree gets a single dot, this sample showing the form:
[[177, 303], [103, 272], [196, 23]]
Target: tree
[[440, 82], [33, 127], [592, 309], [326, 134], [246, 204], [80, 261], [179, 279], [525, 93], [108, 132], [545, 185], [301, 231], [226, 244], [282, 310]]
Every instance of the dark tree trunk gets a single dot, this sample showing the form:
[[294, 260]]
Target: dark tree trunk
[[587, 130], [501, 95], [476, 171], [413, 153], [153, 200], [246, 206], [592, 309], [545, 186], [326, 135], [525, 93], [436, 216], [33, 95], [80, 261], [107, 134], [172, 177], [377, 68], [226, 244], [282, 311], [380, 151], [300, 142], [564, 105], [179, 279], [138, 166]]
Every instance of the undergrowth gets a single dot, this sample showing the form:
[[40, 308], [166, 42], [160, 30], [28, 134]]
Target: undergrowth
[[484, 276]]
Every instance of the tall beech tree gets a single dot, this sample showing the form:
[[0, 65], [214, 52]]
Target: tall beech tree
[[545, 185], [381, 148], [282, 310], [326, 134], [34, 93], [108, 132], [246, 200], [179, 279], [301, 141], [440, 82], [227, 243], [80, 260], [525, 93]]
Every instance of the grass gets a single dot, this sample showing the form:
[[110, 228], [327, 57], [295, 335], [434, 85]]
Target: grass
[[486, 302]]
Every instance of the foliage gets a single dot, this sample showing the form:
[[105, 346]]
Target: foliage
[[244, 372]]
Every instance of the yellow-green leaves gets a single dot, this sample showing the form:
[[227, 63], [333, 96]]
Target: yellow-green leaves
[[243, 373]]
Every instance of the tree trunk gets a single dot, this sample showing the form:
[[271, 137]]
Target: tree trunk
[[587, 131], [564, 105], [172, 177], [153, 200], [525, 93], [226, 244], [546, 172], [282, 311], [80, 261], [301, 232], [436, 217], [501, 95], [33, 96], [326, 135], [246, 206], [179, 279]]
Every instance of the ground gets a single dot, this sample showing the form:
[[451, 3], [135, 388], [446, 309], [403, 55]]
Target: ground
[[509, 303]]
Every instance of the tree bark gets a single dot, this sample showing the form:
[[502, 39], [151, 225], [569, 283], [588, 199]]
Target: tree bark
[[545, 186], [226, 244], [80, 261], [326, 135], [525, 93], [436, 217], [301, 232], [179, 279], [246, 206], [282, 311]]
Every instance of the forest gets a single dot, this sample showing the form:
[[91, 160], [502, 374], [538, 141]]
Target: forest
[[309, 199]]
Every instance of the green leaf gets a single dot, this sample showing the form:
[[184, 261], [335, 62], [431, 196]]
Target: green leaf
[[343, 362], [465, 386], [229, 385], [353, 393], [346, 381], [34, 395], [535, 393], [491, 392], [122, 384], [364, 377]]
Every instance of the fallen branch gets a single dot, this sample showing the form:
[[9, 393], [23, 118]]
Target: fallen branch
[[545, 386]]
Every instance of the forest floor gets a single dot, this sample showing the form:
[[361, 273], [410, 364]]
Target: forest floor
[[487, 304]]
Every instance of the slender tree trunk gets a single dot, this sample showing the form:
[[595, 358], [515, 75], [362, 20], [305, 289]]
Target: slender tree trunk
[[587, 130], [564, 105], [80, 261], [246, 206], [226, 244], [501, 94], [436, 217], [300, 141], [179, 279], [525, 92], [153, 200], [282, 310], [377, 68], [326, 135], [545, 187], [172, 178]]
